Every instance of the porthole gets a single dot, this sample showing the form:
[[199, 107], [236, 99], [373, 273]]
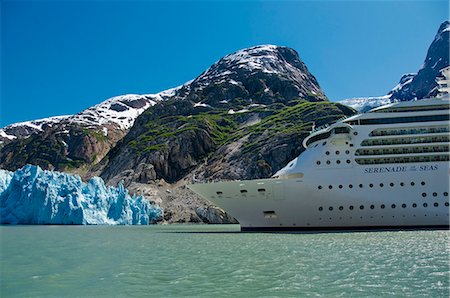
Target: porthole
[[425, 205], [402, 184], [324, 143], [338, 161], [422, 183], [337, 152], [328, 162], [361, 207], [436, 204], [261, 189], [320, 208], [412, 183], [318, 162], [382, 206], [355, 133], [347, 152], [351, 207], [330, 208], [403, 205], [424, 194], [391, 184], [393, 206], [348, 161], [319, 187], [445, 194], [341, 208], [244, 191], [327, 153], [372, 207], [330, 186], [414, 205], [360, 186], [370, 185], [434, 194], [446, 204], [381, 184], [350, 186], [340, 186]]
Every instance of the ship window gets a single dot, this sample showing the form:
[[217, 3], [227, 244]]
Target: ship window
[[381, 184], [382, 206], [318, 138], [436, 204], [348, 160], [338, 161], [445, 194], [434, 194], [318, 162], [341, 208], [330, 208], [320, 208], [446, 204], [391, 184], [337, 152], [361, 207], [403, 205], [371, 185], [360, 186], [328, 162], [393, 206], [330, 186], [372, 207], [324, 143], [351, 207], [423, 182], [219, 193], [341, 130], [244, 191], [424, 194], [428, 118], [261, 189], [355, 133], [319, 187], [327, 153], [350, 186], [412, 183], [340, 186], [347, 152], [414, 205], [425, 205], [402, 184]]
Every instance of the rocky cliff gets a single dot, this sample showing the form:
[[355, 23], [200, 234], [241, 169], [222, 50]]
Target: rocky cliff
[[414, 85]]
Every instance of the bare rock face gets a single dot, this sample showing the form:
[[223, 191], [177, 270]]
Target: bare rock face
[[214, 215]]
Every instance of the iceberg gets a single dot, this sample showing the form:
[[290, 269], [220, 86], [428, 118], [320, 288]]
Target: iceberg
[[31, 195]]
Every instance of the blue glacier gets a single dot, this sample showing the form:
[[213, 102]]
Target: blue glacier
[[31, 195]]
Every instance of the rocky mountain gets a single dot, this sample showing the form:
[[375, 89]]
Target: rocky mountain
[[245, 117], [73, 142], [414, 85]]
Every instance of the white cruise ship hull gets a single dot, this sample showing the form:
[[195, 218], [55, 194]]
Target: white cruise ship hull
[[298, 204]]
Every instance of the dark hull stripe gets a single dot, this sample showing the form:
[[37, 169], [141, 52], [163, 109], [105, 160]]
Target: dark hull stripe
[[337, 229]]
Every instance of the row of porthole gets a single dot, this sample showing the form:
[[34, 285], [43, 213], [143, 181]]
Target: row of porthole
[[329, 162], [435, 194], [361, 217], [337, 152], [372, 185], [382, 206]]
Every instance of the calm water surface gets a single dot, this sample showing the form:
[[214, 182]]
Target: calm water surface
[[202, 260]]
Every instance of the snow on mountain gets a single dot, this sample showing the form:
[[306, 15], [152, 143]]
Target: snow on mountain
[[33, 196], [120, 111], [364, 104]]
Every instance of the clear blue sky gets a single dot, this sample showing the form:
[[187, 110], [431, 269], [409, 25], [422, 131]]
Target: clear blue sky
[[61, 57]]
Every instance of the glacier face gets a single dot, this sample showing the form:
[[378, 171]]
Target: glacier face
[[31, 195]]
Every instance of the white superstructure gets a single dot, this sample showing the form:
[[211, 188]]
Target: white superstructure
[[387, 168]]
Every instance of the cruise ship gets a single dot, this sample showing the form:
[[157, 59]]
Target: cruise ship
[[384, 169]]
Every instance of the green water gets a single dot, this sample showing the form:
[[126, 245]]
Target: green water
[[216, 261]]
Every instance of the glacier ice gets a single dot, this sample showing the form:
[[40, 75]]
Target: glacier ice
[[33, 196]]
